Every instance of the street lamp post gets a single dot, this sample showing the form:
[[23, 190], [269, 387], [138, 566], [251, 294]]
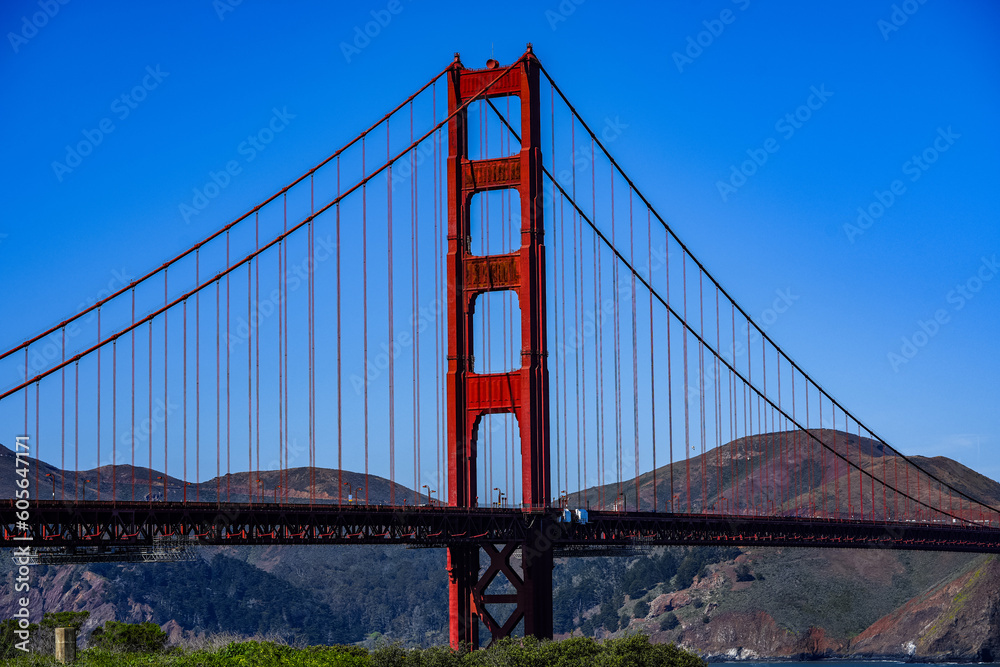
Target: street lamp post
[[430, 492], [48, 474], [357, 493], [348, 485], [499, 495], [276, 492], [186, 490], [164, 487], [85, 483]]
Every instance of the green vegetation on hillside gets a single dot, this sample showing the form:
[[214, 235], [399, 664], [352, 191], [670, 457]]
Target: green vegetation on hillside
[[633, 651], [585, 583], [226, 595], [843, 592]]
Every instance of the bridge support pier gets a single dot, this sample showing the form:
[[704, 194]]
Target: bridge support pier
[[463, 574], [471, 602], [523, 391]]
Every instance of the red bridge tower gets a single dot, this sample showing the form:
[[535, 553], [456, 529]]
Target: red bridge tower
[[522, 392]]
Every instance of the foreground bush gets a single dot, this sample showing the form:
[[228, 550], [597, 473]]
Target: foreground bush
[[633, 651], [129, 637]]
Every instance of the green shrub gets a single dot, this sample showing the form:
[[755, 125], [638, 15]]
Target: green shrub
[[669, 621], [631, 651], [65, 619], [131, 637], [9, 640], [641, 609], [687, 571]]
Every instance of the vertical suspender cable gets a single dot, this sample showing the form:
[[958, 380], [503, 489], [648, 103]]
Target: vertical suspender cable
[[228, 382], [616, 363], [251, 477], [718, 395], [701, 387], [282, 482], [132, 394], [197, 378], [114, 422], [652, 350], [415, 264], [581, 423], [256, 349], [340, 347], [166, 347], [364, 301], [62, 419], [340, 353], [218, 399], [392, 369], [149, 413], [734, 424], [184, 401], [284, 356], [98, 411], [437, 294], [76, 430], [670, 379], [687, 410], [556, 228], [635, 352]]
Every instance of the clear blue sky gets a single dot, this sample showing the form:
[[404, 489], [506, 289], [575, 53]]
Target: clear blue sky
[[890, 89]]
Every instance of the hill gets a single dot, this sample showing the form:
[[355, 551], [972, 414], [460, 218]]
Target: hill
[[722, 602], [724, 476]]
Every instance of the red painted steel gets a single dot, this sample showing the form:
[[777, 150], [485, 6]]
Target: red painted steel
[[522, 392]]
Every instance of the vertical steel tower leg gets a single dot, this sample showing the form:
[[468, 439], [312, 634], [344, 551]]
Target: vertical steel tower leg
[[522, 392]]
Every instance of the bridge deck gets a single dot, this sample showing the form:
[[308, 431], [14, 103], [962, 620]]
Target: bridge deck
[[105, 523]]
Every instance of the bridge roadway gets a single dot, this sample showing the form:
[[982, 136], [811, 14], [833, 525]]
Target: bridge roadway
[[53, 523]]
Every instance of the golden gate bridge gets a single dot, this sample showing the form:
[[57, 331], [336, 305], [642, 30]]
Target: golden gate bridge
[[472, 316]]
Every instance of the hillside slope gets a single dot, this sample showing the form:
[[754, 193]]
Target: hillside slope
[[731, 603]]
